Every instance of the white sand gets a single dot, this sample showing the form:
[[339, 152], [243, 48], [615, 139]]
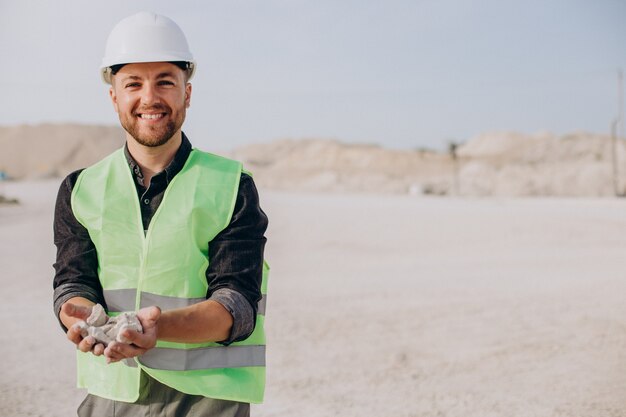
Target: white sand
[[383, 306]]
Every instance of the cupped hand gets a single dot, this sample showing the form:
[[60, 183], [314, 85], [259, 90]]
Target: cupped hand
[[140, 343], [87, 344]]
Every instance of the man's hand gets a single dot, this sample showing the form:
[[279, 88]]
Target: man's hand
[[75, 313], [140, 342]]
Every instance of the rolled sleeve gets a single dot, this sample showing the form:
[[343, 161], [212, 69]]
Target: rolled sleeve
[[240, 309], [64, 292]]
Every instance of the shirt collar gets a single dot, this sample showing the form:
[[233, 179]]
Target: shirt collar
[[173, 168]]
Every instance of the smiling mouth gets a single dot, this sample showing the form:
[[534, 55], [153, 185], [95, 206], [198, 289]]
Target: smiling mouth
[[147, 116]]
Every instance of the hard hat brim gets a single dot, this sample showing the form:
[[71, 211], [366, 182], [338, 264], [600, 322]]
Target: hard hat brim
[[106, 73]]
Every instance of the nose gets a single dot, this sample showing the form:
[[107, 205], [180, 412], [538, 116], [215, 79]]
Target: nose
[[149, 94]]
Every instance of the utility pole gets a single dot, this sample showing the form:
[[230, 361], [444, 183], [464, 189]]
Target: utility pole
[[456, 180], [620, 102], [616, 185], [617, 132]]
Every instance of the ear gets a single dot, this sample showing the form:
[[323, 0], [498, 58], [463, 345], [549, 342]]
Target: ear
[[187, 95], [113, 98]]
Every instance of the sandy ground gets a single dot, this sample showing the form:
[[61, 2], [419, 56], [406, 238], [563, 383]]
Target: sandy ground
[[383, 306]]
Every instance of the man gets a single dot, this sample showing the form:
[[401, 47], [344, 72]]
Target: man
[[170, 232]]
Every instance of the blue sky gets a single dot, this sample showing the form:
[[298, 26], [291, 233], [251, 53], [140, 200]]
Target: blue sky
[[404, 74]]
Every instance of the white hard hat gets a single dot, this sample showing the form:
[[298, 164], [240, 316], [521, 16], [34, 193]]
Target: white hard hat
[[145, 37]]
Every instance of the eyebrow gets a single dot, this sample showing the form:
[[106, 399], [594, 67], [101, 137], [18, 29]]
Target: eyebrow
[[166, 74]]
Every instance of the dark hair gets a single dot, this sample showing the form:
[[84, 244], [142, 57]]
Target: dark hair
[[183, 65], [116, 68]]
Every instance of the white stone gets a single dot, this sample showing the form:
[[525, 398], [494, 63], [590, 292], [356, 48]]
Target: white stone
[[107, 329]]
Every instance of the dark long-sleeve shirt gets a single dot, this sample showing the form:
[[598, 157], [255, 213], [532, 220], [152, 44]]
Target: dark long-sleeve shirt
[[233, 275]]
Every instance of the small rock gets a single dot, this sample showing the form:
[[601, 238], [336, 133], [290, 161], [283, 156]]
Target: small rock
[[107, 329], [98, 316]]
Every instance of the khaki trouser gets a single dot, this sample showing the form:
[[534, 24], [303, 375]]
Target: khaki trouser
[[158, 400]]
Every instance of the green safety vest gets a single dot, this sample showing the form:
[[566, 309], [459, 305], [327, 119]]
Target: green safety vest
[[166, 267]]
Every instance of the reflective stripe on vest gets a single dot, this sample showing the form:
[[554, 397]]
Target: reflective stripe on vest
[[138, 269], [124, 300], [204, 357]]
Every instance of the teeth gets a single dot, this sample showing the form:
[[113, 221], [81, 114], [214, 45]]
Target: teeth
[[151, 116]]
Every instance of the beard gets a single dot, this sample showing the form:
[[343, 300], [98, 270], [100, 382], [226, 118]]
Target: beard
[[152, 136]]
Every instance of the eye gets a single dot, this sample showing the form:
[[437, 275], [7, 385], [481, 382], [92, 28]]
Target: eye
[[132, 85], [166, 83]]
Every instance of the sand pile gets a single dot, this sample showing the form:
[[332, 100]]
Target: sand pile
[[327, 165], [501, 163], [51, 150], [577, 164]]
